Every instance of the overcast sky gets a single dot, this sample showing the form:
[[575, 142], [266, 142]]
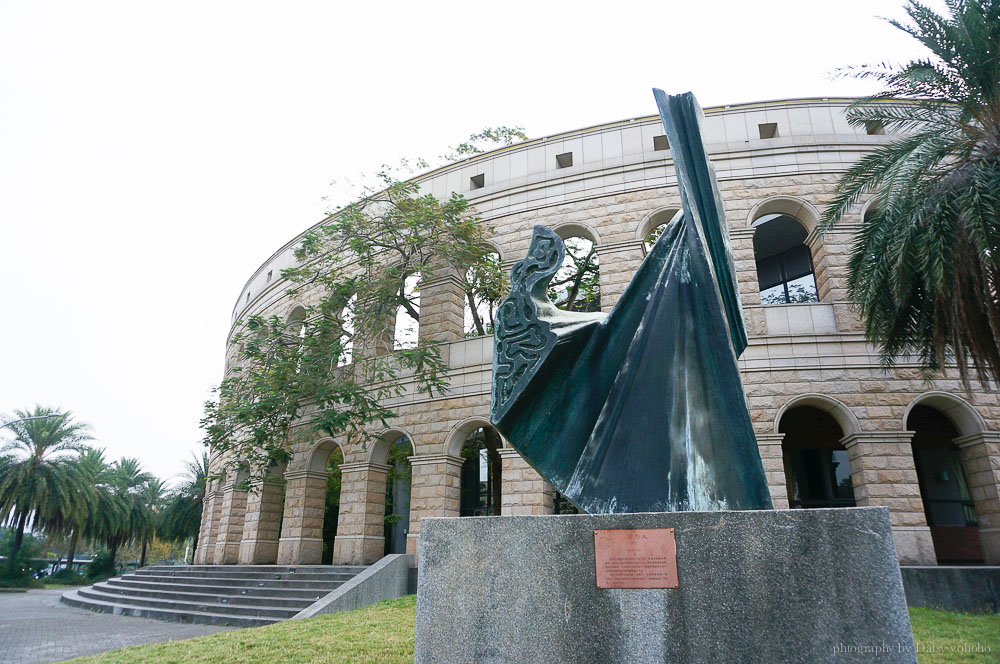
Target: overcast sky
[[154, 154]]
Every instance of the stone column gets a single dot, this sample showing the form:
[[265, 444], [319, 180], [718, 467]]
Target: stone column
[[442, 309], [361, 524], [205, 533], [435, 490], [981, 461], [745, 265], [301, 540], [773, 458], [234, 505], [883, 474], [213, 524], [262, 524], [524, 490], [618, 261]]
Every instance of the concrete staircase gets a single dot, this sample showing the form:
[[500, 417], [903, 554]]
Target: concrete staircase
[[237, 595]]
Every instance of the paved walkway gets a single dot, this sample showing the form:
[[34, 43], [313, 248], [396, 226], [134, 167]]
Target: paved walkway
[[36, 627]]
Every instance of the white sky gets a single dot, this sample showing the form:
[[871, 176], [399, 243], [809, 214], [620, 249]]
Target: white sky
[[153, 155]]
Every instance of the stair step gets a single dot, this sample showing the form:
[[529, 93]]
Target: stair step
[[239, 582], [250, 591], [207, 597], [236, 574], [191, 607], [241, 595], [73, 598]]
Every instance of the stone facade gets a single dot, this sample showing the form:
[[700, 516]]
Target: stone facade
[[806, 355]]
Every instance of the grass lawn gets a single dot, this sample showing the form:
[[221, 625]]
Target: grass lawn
[[384, 633]]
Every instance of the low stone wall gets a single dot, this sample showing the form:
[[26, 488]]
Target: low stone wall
[[966, 589], [389, 578]]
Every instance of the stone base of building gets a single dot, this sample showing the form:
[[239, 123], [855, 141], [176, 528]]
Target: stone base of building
[[357, 549], [782, 585], [258, 552]]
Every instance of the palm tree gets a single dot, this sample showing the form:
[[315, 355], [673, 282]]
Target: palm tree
[[181, 516], [127, 480], [38, 483], [152, 495], [925, 267]]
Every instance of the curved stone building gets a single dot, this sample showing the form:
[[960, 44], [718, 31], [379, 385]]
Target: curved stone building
[[833, 427]]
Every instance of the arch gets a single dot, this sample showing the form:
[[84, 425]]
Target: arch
[[961, 413], [655, 218], [577, 229], [495, 247], [869, 205], [837, 410], [378, 451], [792, 206], [296, 314], [320, 454], [456, 437]]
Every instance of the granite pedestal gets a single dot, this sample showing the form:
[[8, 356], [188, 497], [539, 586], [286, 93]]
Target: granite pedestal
[[755, 586]]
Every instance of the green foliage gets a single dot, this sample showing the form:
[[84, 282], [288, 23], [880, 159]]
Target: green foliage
[[180, 518], [488, 139], [925, 267], [333, 369], [39, 485], [577, 284], [486, 284]]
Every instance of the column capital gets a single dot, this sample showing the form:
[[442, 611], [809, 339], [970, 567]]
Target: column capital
[[770, 438], [615, 247], [364, 465], [306, 474], [424, 459], [442, 280], [876, 437], [976, 438], [508, 453]]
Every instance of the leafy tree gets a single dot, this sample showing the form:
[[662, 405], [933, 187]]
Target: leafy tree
[[485, 285], [925, 267], [488, 139], [356, 269], [577, 284], [38, 483], [181, 516]]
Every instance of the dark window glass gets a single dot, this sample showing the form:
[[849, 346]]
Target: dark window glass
[[819, 478], [787, 278]]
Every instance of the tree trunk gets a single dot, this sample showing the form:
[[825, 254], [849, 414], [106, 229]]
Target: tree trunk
[[72, 549], [18, 538], [194, 547], [111, 561], [493, 444], [480, 330], [142, 558]]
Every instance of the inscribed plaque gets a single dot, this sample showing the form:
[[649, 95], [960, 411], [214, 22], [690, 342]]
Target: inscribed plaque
[[641, 558]]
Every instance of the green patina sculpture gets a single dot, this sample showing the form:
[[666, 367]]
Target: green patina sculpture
[[642, 409]]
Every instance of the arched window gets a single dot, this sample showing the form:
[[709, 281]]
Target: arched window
[[817, 469], [784, 262], [331, 511], [948, 505], [407, 326], [397, 495], [485, 285], [295, 322], [655, 226], [347, 338], [480, 479], [577, 284]]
